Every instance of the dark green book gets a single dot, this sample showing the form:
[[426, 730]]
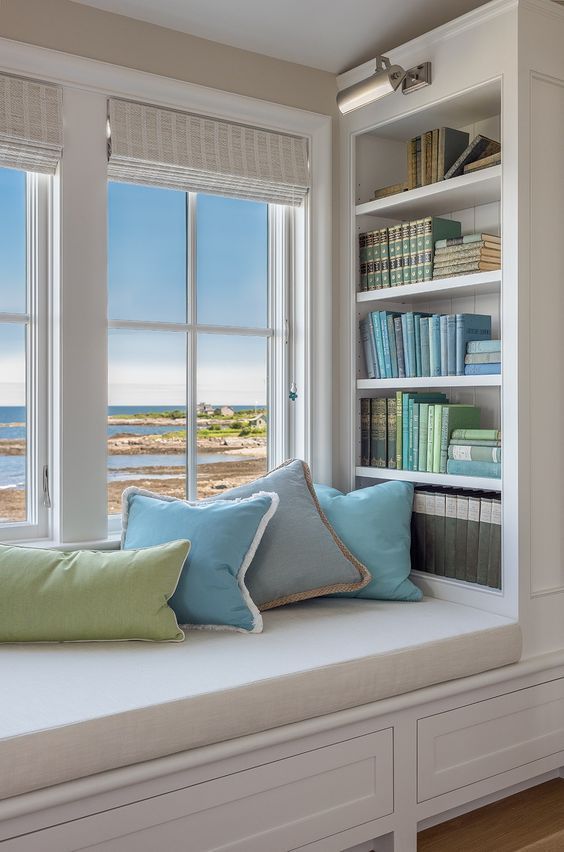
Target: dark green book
[[460, 540], [455, 417], [378, 432], [392, 433], [434, 229], [484, 541], [365, 432], [472, 538], [418, 531], [494, 564], [450, 535], [430, 532], [440, 510]]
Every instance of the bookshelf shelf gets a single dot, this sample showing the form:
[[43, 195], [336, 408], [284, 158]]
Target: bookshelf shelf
[[430, 382], [477, 284], [442, 197], [481, 483]]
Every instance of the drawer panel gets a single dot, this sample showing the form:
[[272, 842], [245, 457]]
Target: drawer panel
[[277, 806], [471, 743]]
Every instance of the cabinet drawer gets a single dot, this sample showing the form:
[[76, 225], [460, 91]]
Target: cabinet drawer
[[475, 742], [276, 806]]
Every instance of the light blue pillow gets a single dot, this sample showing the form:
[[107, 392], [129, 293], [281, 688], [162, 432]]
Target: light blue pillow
[[224, 536], [375, 524]]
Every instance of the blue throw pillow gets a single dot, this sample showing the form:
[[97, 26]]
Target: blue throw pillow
[[375, 524], [224, 536]]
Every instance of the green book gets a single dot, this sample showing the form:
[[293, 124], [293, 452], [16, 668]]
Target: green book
[[411, 403], [385, 257], [430, 436], [420, 249], [413, 251], [430, 532], [365, 432], [405, 253], [378, 432], [394, 235], [484, 541], [423, 434], [455, 417], [472, 538], [469, 453], [450, 535], [399, 430], [437, 426], [460, 540], [494, 563], [391, 432], [418, 531], [415, 443], [440, 513], [435, 229], [472, 442], [477, 434], [377, 260]]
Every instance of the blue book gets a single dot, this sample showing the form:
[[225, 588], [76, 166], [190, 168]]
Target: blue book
[[408, 370], [407, 433], [386, 344], [377, 331], [435, 345], [411, 344], [482, 369], [365, 339], [399, 347], [470, 327], [475, 346], [392, 344], [424, 332], [474, 468], [451, 343], [417, 325], [444, 344]]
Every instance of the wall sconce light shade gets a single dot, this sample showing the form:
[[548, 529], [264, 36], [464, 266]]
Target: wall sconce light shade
[[387, 79]]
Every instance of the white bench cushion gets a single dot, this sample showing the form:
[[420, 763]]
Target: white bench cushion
[[69, 711]]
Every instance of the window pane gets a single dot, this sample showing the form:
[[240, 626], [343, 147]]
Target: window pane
[[12, 424], [146, 253], [232, 261], [147, 413], [12, 241], [232, 415]]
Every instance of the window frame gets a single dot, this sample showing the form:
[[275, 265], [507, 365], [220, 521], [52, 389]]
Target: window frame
[[39, 196]]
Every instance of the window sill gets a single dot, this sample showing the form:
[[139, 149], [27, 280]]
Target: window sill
[[110, 543]]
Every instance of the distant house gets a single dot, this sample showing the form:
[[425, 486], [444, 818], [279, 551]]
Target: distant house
[[204, 408], [225, 411], [258, 422]]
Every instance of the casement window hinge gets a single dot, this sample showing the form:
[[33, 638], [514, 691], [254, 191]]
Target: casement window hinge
[[46, 492]]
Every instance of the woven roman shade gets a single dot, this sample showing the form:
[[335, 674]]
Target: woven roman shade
[[162, 147], [31, 125]]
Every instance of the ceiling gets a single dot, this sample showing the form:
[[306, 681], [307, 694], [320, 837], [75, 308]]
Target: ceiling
[[326, 34]]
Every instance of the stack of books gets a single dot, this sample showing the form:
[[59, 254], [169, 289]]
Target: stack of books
[[483, 358], [457, 534], [402, 254], [411, 431], [474, 452], [409, 345], [463, 255]]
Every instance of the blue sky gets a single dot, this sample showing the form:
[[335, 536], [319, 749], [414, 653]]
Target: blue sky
[[147, 281]]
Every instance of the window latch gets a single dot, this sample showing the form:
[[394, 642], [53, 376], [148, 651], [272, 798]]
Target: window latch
[[46, 494]]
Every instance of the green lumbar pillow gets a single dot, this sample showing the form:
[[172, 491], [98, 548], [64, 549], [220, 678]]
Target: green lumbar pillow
[[86, 595]]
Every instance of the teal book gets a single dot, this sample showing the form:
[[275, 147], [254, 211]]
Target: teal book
[[472, 539], [494, 564], [423, 429], [411, 403], [399, 347], [430, 533], [470, 327], [450, 535], [440, 512], [416, 406], [377, 330], [475, 347], [482, 369], [455, 417], [399, 430], [483, 358], [408, 372], [469, 453], [368, 349], [460, 540], [444, 344], [425, 354], [418, 531], [436, 229], [435, 345], [451, 345], [411, 344], [391, 433], [430, 435], [417, 327], [386, 344], [437, 439], [365, 432], [484, 541], [391, 335], [474, 468]]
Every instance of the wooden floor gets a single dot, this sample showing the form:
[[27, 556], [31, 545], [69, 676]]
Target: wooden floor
[[532, 820]]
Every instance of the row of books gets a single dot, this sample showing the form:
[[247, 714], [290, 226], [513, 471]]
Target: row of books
[[483, 358], [457, 534], [463, 255], [441, 154], [404, 253], [423, 432], [409, 345]]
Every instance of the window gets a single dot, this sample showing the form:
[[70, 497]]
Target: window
[[197, 379], [23, 353]]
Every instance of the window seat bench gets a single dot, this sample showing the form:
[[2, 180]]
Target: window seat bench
[[69, 711]]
